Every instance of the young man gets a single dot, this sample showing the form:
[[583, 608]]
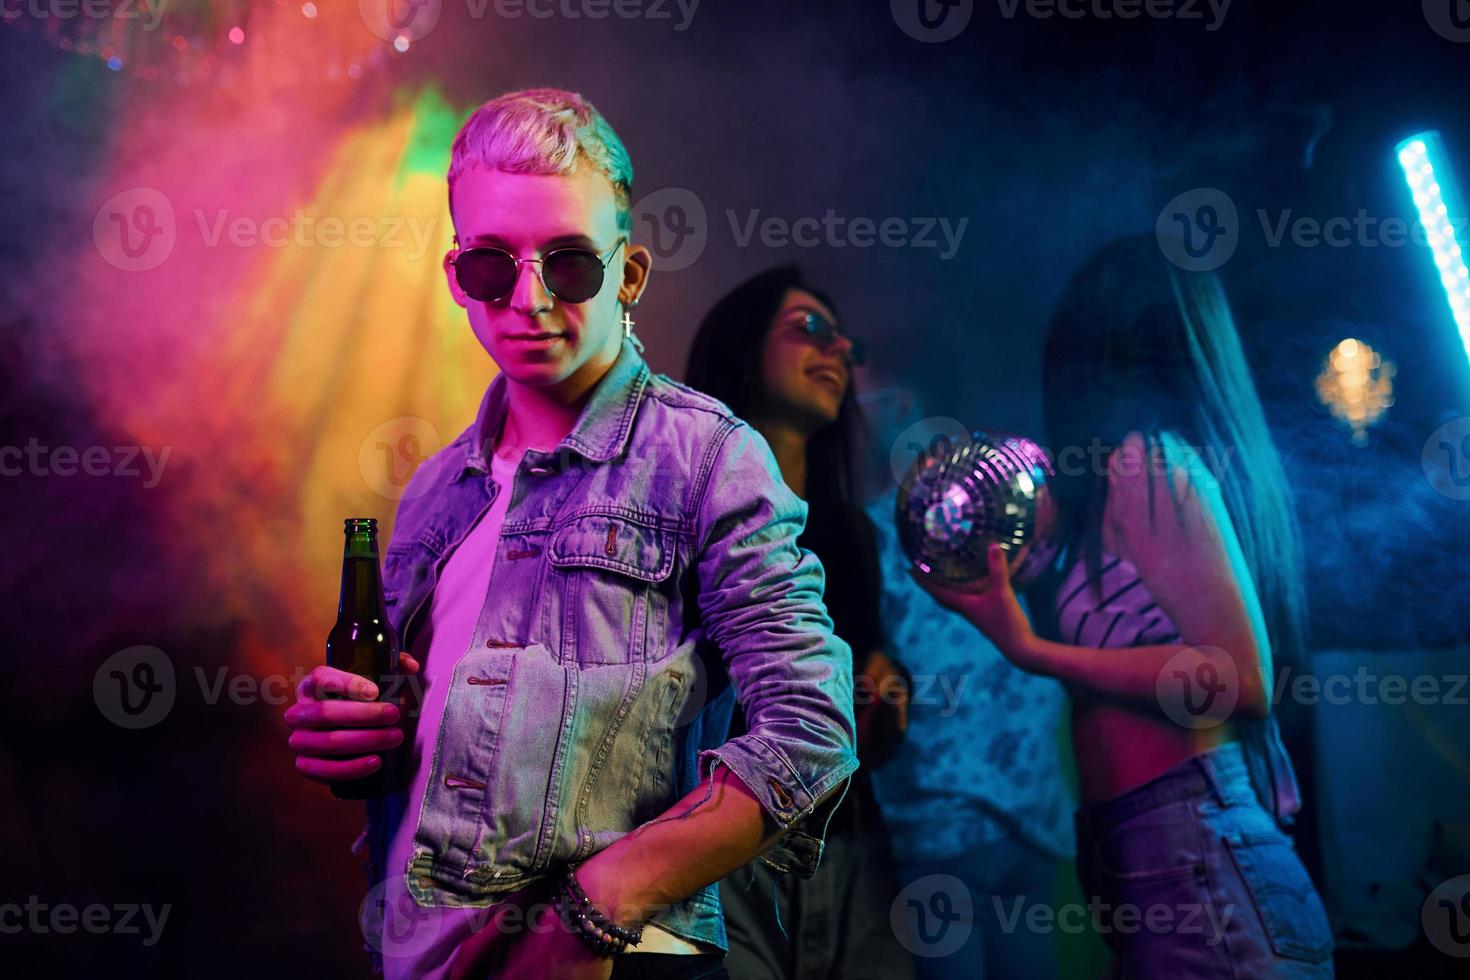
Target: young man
[[565, 571]]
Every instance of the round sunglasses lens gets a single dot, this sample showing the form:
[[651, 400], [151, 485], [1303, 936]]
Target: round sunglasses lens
[[573, 275], [485, 274], [820, 330]]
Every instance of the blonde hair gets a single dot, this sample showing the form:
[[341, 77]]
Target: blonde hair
[[543, 131]]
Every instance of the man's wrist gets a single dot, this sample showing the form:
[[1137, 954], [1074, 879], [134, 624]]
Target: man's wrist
[[601, 882], [590, 922]]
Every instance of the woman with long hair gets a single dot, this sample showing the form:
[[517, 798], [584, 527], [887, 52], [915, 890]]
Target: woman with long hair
[[773, 351], [1179, 587]]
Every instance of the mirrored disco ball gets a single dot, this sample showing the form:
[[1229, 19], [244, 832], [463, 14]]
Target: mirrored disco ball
[[959, 498]]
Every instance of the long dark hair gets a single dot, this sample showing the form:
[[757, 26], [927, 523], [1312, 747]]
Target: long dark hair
[[725, 362], [1139, 345]]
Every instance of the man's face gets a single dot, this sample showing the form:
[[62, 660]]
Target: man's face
[[535, 338]]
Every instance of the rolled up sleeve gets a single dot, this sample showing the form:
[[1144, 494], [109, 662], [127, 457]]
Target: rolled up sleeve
[[760, 599]]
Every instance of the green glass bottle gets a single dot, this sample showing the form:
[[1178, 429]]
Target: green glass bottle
[[364, 642]]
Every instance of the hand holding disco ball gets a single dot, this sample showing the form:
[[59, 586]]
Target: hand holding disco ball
[[961, 495]]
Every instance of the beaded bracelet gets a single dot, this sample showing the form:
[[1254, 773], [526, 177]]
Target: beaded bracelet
[[596, 930]]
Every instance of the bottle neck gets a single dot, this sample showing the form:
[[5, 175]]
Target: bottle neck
[[362, 583]]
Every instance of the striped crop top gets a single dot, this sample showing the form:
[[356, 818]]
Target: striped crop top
[[1119, 612]]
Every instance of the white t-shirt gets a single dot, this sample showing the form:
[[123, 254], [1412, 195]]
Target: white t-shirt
[[419, 941]]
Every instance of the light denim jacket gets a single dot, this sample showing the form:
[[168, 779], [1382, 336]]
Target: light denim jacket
[[646, 575]]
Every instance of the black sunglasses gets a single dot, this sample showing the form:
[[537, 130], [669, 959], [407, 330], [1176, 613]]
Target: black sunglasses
[[572, 274], [824, 333]]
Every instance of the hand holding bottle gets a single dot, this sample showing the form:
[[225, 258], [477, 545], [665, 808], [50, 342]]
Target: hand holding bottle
[[345, 722], [339, 728]]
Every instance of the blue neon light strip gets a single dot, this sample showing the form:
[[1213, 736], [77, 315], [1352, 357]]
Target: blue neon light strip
[[1427, 170]]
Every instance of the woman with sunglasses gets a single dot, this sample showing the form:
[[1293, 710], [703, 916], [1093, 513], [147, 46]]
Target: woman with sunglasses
[[771, 350], [1179, 588]]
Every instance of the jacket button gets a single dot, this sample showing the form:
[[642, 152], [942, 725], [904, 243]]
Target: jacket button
[[783, 798], [452, 781]]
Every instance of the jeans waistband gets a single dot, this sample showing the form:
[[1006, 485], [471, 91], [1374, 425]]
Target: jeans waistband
[[1220, 772]]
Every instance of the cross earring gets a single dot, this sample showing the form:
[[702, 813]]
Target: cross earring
[[628, 331]]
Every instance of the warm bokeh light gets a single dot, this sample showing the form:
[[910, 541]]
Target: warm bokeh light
[[1356, 385]]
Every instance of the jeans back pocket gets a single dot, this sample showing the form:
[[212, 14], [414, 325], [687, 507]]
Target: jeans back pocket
[[1290, 908]]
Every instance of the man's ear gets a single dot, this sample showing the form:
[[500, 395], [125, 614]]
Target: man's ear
[[454, 290], [636, 268]]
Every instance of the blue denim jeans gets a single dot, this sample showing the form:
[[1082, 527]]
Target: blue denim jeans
[[1189, 876]]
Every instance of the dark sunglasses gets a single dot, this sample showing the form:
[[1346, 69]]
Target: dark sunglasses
[[824, 334], [572, 274]]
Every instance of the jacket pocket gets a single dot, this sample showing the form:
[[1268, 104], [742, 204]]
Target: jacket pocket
[[612, 567], [1288, 904], [489, 808], [621, 772]]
